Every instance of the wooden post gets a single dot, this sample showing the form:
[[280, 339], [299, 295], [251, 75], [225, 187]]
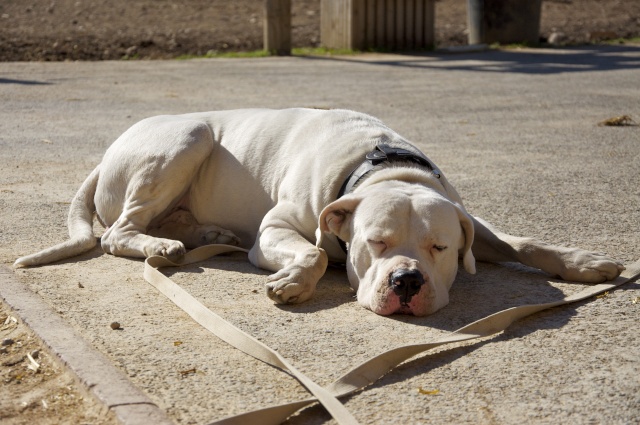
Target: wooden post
[[409, 22], [369, 26], [362, 24], [277, 27]]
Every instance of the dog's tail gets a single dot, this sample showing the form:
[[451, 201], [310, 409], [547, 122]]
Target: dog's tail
[[80, 224]]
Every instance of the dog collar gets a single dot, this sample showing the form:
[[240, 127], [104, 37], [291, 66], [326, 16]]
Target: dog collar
[[382, 153]]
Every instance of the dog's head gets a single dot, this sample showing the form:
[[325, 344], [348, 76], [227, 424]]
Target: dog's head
[[404, 243]]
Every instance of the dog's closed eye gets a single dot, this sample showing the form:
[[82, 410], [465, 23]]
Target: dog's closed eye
[[377, 245]]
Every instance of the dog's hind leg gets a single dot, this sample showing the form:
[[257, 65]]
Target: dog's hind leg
[[183, 226], [148, 171]]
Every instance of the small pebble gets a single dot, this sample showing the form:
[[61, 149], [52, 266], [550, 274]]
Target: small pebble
[[115, 325], [7, 341], [35, 354]]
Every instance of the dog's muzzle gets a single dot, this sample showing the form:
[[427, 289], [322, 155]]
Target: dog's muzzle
[[405, 283]]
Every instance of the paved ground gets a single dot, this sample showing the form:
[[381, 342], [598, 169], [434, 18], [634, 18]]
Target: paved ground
[[515, 131]]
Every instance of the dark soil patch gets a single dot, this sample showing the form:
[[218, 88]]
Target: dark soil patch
[[57, 30]]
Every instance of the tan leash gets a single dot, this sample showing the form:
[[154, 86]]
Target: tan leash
[[229, 333], [357, 378]]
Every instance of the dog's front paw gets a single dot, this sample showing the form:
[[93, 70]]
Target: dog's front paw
[[589, 267], [290, 285]]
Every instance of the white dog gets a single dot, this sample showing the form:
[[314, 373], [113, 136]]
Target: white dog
[[276, 181]]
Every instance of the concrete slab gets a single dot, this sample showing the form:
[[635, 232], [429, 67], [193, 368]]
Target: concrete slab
[[515, 131]]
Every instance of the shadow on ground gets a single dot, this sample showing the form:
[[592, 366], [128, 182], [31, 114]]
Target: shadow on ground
[[521, 61]]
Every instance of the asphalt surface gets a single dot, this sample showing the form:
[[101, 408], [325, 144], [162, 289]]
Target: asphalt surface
[[515, 131]]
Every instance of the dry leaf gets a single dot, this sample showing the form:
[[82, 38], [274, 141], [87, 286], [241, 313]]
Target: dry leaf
[[622, 120], [187, 372], [33, 365], [10, 319], [428, 392]]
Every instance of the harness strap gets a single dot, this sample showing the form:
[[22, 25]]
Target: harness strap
[[383, 153], [360, 376]]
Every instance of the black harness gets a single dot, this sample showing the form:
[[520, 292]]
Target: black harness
[[382, 153]]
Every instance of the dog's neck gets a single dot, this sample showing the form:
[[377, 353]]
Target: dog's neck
[[384, 157], [408, 173]]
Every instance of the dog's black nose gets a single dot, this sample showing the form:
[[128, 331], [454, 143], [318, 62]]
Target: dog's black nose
[[406, 283]]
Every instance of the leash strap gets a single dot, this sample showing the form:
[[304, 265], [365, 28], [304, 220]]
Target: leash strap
[[360, 376], [229, 333]]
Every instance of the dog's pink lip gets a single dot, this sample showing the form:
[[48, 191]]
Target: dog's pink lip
[[387, 302], [419, 305], [384, 310], [393, 306], [404, 309]]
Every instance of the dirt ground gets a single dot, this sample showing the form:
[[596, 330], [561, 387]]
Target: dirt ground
[[39, 391], [150, 29]]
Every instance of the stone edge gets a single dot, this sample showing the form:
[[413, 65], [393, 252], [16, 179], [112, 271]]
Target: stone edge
[[92, 369]]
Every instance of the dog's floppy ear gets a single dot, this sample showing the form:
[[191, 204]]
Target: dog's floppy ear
[[468, 260], [335, 218]]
